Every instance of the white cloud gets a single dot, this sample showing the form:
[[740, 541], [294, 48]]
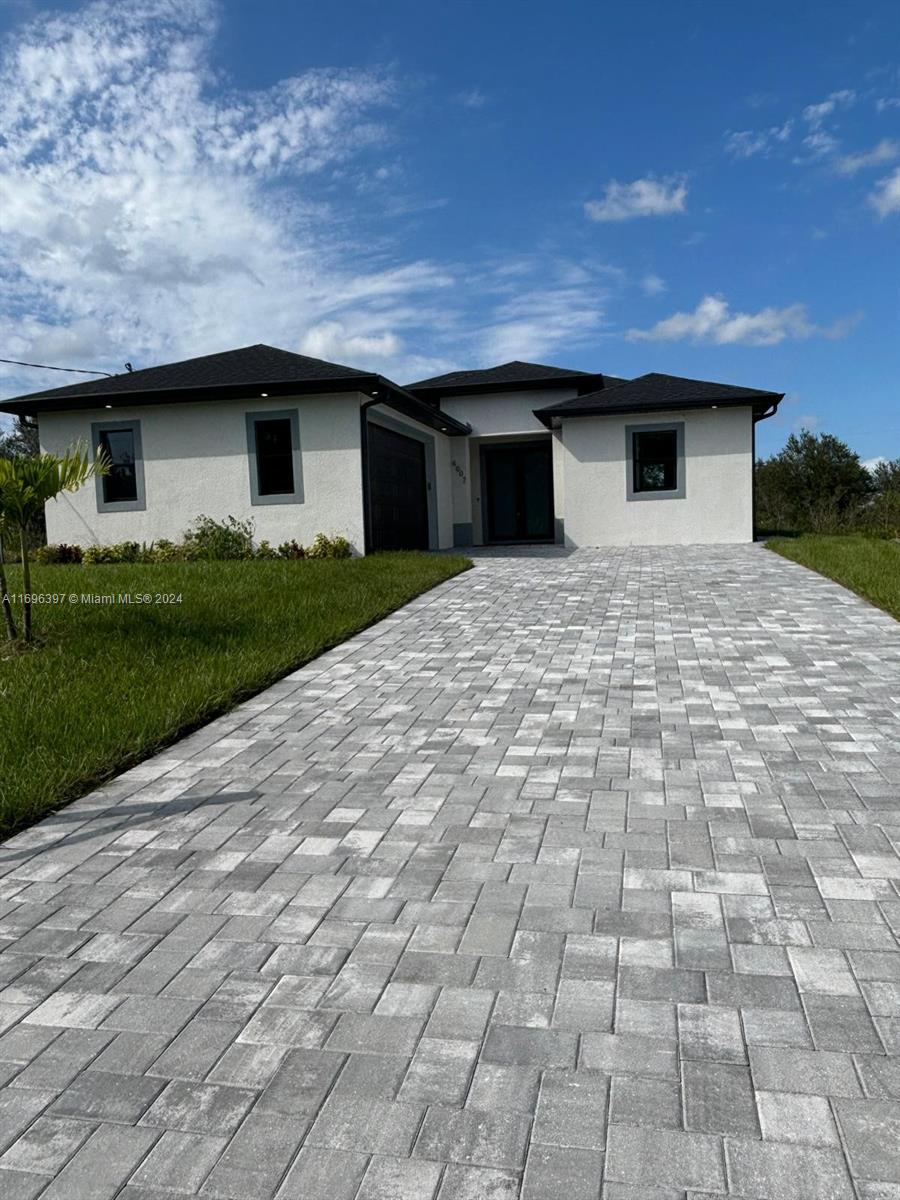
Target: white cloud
[[746, 143], [808, 421], [819, 144], [146, 214], [472, 98], [531, 324], [713, 322], [872, 464], [643, 198], [885, 199], [334, 341], [886, 103], [885, 151], [653, 285], [814, 114]]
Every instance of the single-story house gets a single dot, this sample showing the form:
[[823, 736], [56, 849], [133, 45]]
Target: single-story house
[[515, 453]]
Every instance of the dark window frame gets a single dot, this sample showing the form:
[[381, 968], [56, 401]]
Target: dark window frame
[[139, 503], [631, 434], [287, 414]]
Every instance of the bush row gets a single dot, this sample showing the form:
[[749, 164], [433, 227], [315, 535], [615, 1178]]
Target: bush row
[[206, 541]]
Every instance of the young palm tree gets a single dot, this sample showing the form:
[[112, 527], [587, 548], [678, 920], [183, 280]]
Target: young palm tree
[[26, 484], [8, 618]]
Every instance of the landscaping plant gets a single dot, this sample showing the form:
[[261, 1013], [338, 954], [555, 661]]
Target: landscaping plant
[[26, 484]]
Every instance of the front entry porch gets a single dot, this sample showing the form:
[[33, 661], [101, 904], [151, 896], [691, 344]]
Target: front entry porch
[[517, 491]]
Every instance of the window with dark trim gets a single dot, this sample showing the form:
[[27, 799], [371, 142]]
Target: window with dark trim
[[654, 461], [122, 488], [120, 484], [273, 445], [274, 457], [654, 457]]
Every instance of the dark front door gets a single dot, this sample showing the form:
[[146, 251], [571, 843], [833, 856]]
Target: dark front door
[[518, 484], [398, 494]]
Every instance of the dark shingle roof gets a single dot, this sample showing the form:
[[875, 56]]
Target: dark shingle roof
[[506, 376], [233, 374], [655, 392], [250, 365]]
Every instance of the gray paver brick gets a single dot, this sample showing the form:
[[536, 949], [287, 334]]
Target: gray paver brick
[[578, 848], [106, 1159], [789, 1117], [318, 1171], [474, 1136], [782, 1171], [664, 1157], [871, 1129], [552, 1172], [388, 1178], [180, 1161], [46, 1146], [102, 1096], [718, 1098]]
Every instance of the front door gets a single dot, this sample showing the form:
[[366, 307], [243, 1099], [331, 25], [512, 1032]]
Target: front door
[[518, 485]]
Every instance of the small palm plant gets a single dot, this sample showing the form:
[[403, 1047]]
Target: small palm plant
[[26, 484], [8, 618]]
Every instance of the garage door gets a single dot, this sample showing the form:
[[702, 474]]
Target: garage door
[[398, 495]]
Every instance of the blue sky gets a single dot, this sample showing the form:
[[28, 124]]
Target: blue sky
[[704, 189]]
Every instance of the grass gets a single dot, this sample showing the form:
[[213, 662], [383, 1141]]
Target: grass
[[868, 566], [111, 684]]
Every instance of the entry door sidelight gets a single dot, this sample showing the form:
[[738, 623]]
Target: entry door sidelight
[[518, 484]]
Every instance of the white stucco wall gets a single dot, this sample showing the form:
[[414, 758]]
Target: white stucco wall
[[195, 461], [441, 486], [504, 412], [718, 501]]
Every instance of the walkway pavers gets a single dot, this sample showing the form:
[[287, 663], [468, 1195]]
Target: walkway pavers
[[577, 877]]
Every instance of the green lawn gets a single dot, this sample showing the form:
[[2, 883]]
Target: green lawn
[[868, 566], [110, 684]]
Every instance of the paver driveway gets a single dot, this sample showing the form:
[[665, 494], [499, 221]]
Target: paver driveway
[[578, 868]]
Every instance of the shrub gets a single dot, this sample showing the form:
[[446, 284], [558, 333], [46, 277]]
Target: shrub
[[219, 540], [164, 551], [58, 555], [291, 549], [120, 552], [329, 547], [265, 550]]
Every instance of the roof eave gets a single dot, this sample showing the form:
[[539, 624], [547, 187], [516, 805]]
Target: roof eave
[[28, 405], [553, 414], [370, 385], [407, 403]]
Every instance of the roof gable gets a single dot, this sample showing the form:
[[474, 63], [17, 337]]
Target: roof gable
[[505, 377]]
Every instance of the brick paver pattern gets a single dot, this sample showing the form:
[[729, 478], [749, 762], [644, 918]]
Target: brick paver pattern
[[577, 877]]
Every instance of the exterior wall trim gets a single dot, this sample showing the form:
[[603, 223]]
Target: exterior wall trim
[[677, 493], [286, 414]]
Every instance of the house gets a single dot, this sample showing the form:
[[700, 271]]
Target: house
[[515, 453]]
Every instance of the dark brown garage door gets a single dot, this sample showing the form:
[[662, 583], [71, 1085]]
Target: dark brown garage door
[[398, 495]]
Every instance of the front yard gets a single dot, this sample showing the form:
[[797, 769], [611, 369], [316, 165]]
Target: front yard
[[110, 683], [868, 566]]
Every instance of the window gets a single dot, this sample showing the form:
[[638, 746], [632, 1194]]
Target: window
[[655, 461], [273, 443], [122, 489]]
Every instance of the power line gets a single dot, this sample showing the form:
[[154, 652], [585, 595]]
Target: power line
[[43, 367]]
